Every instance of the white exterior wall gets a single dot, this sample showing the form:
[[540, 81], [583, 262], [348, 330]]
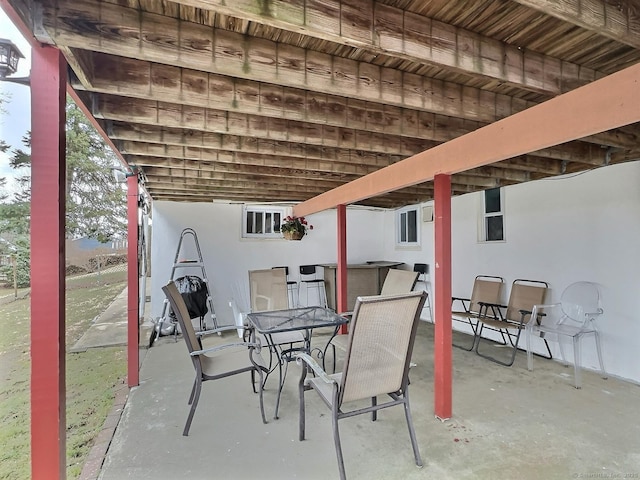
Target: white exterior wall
[[563, 230], [583, 227], [228, 257]]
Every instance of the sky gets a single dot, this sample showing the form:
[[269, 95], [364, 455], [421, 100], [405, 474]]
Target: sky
[[16, 121]]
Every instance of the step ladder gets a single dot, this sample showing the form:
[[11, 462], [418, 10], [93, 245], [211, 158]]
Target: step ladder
[[182, 265]]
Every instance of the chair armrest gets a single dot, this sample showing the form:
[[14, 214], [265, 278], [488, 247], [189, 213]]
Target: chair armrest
[[302, 357], [487, 304], [256, 345], [224, 328], [461, 299]]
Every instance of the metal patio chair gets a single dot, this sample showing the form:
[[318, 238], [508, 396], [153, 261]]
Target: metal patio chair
[[396, 282], [216, 362], [486, 291], [512, 318], [381, 338]]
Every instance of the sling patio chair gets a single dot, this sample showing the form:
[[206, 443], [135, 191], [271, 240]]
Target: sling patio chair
[[512, 318], [572, 318], [216, 362], [396, 282], [268, 291], [486, 291], [381, 337]]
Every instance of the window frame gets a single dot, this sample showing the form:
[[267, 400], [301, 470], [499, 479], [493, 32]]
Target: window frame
[[399, 230], [265, 210], [487, 215]]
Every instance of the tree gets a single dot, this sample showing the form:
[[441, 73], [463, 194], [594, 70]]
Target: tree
[[96, 205], [4, 146]]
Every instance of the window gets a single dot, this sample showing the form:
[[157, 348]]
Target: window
[[262, 222], [493, 215], [407, 226]]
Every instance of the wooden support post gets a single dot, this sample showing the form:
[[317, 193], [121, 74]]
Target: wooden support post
[[133, 283], [48, 173], [341, 272], [442, 342]]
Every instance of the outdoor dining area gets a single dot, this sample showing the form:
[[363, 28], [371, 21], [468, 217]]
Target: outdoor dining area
[[259, 416], [508, 423]]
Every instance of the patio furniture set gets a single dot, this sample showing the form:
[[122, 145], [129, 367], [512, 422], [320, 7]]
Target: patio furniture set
[[378, 347]]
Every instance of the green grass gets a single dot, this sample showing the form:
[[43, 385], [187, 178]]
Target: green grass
[[91, 375]]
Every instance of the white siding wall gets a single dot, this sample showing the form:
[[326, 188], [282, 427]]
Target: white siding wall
[[584, 227], [228, 257]]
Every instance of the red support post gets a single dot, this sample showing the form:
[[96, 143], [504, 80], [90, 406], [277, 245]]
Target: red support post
[[442, 342], [133, 284], [48, 173], [341, 271]]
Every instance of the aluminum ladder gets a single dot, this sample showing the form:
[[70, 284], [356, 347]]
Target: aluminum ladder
[[179, 265]]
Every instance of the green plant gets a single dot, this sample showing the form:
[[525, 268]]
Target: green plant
[[21, 256], [295, 225]]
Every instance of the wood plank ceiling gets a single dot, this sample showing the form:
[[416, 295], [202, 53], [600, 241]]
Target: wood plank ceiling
[[279, 101]]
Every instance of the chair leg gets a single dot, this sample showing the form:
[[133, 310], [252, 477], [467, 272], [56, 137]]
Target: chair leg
[[603, 372], [194, 404], [577, 355], [193, 391], [561, 348], [412, 432], [336, 441], [301, 389], [493, 359], [260, 392], [473, 340], [253, 381], [374, 413], [529, 352], [281, 384]]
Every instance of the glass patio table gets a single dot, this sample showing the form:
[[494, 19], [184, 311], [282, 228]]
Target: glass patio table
[[304, 319]]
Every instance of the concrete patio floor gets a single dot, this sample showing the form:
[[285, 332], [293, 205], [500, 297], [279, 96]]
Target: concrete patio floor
[[507, 423]]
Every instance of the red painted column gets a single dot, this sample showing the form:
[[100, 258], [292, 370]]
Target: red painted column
[[133, 284], [341, 271], [48, 165], [442, 342]]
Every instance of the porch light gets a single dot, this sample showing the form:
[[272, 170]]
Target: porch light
[[10, 55]]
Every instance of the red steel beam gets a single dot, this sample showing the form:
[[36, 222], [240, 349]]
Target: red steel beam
[[341, 272], [442, 348], [48, 173], [133, 284]]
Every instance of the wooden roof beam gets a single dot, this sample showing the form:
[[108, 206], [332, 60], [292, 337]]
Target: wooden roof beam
[[602, 105], [615, 20], [161, 114], [385, 30], [128, 32], [350, 160]]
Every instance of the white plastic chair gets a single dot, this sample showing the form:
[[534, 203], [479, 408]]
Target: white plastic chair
[[579, 306]]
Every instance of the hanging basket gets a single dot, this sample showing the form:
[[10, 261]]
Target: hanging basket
[[293, 235]]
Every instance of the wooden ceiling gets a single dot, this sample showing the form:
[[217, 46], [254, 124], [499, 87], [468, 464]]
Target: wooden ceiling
[[279, 101]]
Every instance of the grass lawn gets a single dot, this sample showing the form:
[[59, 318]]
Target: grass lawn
[[91, 375]]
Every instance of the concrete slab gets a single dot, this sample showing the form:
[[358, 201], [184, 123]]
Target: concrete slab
[[507, 423], [108, 329]]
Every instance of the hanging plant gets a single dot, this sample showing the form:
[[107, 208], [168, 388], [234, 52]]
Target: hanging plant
[[294, 228]]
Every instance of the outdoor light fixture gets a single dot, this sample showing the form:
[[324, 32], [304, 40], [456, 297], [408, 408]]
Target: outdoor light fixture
[[120, 175], [9, 57]]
